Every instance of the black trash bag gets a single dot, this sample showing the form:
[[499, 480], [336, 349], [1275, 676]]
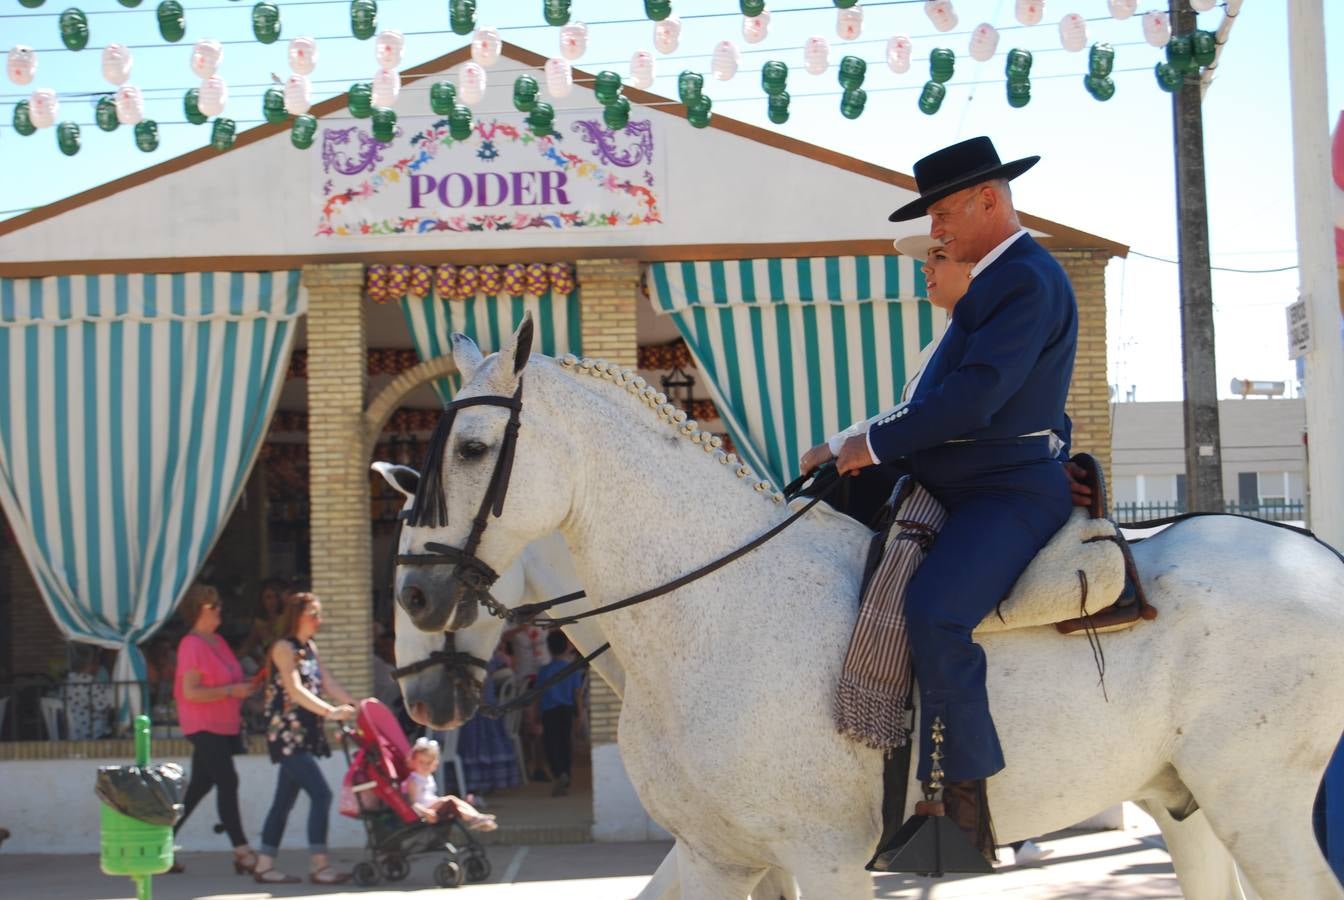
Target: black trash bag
[[152, 794]]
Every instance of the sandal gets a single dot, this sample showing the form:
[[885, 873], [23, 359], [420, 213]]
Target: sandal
[[482, 823], [328, 875], [273, 876], [245, 863]]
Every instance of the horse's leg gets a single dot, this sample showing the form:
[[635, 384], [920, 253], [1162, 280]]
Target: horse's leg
[[776, 884], [706, 878], [1205, 869], [664, 885], [826, 879]]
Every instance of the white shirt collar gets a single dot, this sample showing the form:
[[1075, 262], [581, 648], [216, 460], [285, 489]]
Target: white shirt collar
[[996, 253]]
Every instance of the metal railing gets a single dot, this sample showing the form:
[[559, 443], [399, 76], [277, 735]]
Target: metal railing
[[1273, 512], [41, 709]]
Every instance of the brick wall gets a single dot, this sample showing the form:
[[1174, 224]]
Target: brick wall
[[35, 642], [1089, 404]]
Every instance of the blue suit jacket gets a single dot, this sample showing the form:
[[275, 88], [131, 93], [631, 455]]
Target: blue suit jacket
[[1002, 369]]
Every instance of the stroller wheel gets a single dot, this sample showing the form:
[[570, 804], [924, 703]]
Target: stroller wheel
[[476, 867], [395, 867], [448, 874], [366, 874]]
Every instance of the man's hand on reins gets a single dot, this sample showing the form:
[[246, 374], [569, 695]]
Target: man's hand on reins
[[819, 455], [854, 455], [1078, 486]]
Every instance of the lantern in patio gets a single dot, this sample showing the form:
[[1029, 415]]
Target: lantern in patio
[[420, 281], [491, 280], [384, 124], [130, 104], [751, 7], [214, 95], [1019, 93], [43, 107], [541, 119], [386, 88], [777, 107], [774, 77], [852, 103], [462, 16], [723, 64], [266, 22], [298, 95], [172, 21], [657, 10], [667, 34], [514, 277], [147, 136], [74, 29], [816, 55], [1168, 79], [461, 122], [556, 12], [363, 18], [942, 64], [1100, 60], [117, 62], [699, 112], [205, 57], [1100, 88], [105, 114], [941, 14], [222, 133], [616, 115], [1122, 9], [388, 49], [1156, 28], [607, 87], [849, 23], [931, 98], [562, 278], [486, 46], [468, 282], [852, 71], [536, 281], [690, 86], [1180, 54], [445, 281], [21, 64], [359, 99], [525, 92], [375, 282], [23, 122], [559, 77], [898, 54], [398, 280], [984, 41], [641, 69], [1029, 12], [755, 28], [273, 106], [470, 83], [1204, 48], [302, 132], [302, 55], [442, 97], [1073, 32], [573, 40]]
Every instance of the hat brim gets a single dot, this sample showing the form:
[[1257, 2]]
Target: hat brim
[[916, 246], [919, 207]]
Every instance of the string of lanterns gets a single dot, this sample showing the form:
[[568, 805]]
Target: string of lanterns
[[383, 283]]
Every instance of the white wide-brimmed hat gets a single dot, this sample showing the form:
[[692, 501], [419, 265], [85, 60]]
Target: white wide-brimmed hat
[[916, 246]]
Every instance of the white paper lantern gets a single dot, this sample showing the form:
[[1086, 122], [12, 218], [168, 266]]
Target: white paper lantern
[[1073, 32], [898, 54], [302, 55], [816, 54], [205, 57], [755, 28], [941, 14], [387, 48], [667, 34], [130, 105], [1232, 8], [641, 69], [471, 83], [1203, 5], [117, 63], [1156, 28], [984, 41], [22, 64], [1030, 12], [849, 23], [214, 95], [386, 88], [559, 77], [486, 46], [725, 60], [298, 95], [43, 107], [1122, 9], [573, 40]]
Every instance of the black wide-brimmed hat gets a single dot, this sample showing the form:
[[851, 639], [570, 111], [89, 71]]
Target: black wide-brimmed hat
[[957, 167]]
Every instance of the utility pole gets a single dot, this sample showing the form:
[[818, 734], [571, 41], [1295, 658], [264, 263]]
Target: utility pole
[[1203, 446]]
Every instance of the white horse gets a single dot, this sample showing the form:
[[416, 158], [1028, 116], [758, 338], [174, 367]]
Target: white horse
[[1227, 703]]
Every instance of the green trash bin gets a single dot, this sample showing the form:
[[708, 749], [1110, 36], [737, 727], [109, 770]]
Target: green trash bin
[[131, 847]]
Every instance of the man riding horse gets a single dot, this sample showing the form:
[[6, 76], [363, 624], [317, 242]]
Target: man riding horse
[[986, 434]]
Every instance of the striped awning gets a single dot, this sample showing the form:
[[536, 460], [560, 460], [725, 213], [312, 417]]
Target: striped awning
[[793, 350], [132, 411]]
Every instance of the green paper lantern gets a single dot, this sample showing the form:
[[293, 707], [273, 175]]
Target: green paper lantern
[[273, 106], [844, 4], [462, 122], [191, 107], [462, 16], [616, 115], [852, 103], [1168, 79], [359, 100], [266, 22], [942, 63], [105, 114], [31, 4], [524, 93], [1180, 54], [67, 138], [931, 98], [363, 18], [147, 135], [302, 132], [690, 86], [698, 111], [384, 124], [23, 121], [442, 97], [774, 77], [657, 10], [541, 119], [852, 70], [1018, 64], [556, 12], [607, 87], [222, 133], [777, 107], [74, 29], [1019, 92], [172, 20], [1100, 60], [1100, 88], [1204, 47], [131, 4], [751, 8]]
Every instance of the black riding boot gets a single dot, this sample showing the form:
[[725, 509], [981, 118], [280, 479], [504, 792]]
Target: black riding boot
[[967, 805]]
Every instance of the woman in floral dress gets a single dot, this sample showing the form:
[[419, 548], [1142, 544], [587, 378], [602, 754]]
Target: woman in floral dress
[[295, 737]]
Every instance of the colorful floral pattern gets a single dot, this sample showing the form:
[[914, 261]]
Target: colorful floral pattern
[[291, 728]]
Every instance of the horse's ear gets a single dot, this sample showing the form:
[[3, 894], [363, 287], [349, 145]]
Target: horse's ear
[[519, 346], [403, 479], [466, 355]]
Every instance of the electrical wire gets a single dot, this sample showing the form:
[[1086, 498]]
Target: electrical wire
[[1176, 262]]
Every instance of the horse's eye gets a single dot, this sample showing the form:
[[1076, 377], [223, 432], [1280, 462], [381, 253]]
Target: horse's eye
[[471, 450]]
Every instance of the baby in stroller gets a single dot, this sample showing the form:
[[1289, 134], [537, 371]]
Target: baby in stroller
[[419, 785]]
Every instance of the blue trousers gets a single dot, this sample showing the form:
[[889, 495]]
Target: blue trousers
[[298, 772], [1329, 813], [997, 522]]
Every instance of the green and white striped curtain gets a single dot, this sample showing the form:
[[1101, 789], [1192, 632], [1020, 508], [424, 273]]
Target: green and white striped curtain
[[489, 320], [132, 410], [794, 350]]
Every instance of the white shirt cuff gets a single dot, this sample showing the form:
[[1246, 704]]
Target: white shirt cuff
[[868, 440]]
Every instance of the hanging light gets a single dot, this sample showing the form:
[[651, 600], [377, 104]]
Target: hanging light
[[302, 55], [21, 65], [984, 41], [1029, 12], [898, 54], [849, 23], [755, 28], [667, 34], [641, 69], [486, 46], [941, 14], [574, 40], [725, 61], [205, 57], [117, 62], [816, 53], [1073, 32]]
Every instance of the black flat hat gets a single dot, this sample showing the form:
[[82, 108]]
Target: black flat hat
[[953, 168]]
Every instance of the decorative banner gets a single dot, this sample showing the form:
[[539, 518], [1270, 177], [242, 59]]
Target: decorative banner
[[501, 177]]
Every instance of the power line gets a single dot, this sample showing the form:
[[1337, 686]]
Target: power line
[[1176, 262]]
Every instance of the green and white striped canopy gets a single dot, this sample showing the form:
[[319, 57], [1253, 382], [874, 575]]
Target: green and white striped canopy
[[794, 350]]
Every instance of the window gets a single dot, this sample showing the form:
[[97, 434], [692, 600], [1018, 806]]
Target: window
[[1273, 488]]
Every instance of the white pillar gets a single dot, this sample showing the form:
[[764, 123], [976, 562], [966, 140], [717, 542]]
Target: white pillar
[[1316, 261]]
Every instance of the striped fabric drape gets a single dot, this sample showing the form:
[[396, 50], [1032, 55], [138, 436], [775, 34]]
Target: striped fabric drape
[[132, 411], [793, 350], [489, 320]]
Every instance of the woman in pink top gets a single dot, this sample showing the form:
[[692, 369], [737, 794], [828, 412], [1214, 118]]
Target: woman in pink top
[[209, 688]]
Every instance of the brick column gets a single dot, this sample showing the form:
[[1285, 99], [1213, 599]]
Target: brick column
[[342, 558], [608, 292], [35, 640], [1089, 403]]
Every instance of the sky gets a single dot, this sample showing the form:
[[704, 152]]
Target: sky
[[1107, 167]]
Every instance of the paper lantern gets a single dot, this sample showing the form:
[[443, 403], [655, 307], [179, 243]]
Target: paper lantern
[[536, 282], [1180, 54], [420, 281], [117, 62], [445, 281], [816, 54], [524, 93], [172, 21], [191, 107], [1030, 12], [984, 41], [388, 49], [852, 70], [755, 28], [774, 77], [1100, 60], [1203, 5], [375, 282], [298, 95], [514, 276], [302, 132], [777, 107], [205, 57], [1017, 64], [105, 114], [931, 98], [1204, 46], [898, 54], [22, 64], [1168, 79], [266, 22], [942, 64], [556, 12], [1156, 28], [222, 134], [462, 16], [486, 46], [31, 4], [471, 83], [641, 69], [147, 136], [130, 105], [23, 123], [468, 281], [214, 95], [941, 14], [699, 112], [442, 97], [849, 23], [1100, 88], [491, 280], [559, 77], [573, 40], [359, 99], [690, 86], [1073, 32], [383, 124], [386, 88], [398, 280], [607, 87], [273, 106], [541, 119], [725, 60], [67, 138], [43, 107], [657, 10], [302, 55], [852, 103], [461, 122], [1019, 93], [667, 34], [616, 115], [74, 29], [363, 18], [844, 4], [1122, 9], [562, 278], [751, 7]]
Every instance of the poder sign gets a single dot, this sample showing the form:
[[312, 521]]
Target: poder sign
[[502, 178]]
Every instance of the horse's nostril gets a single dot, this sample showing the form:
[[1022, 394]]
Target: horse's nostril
[[413, 600]]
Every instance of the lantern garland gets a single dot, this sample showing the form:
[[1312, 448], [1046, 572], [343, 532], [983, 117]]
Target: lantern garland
[[383, 283]]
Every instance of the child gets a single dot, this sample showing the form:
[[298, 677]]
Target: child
[[423, 792]]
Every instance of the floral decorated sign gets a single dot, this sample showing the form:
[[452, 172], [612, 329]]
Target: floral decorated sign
[[501, 178]]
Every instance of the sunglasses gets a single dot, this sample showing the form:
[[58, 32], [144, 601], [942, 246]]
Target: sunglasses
[[210, 606]]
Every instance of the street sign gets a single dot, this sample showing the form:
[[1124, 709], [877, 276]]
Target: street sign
[[1299, 329]]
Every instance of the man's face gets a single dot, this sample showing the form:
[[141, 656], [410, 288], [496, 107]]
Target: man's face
[[959, 221]]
